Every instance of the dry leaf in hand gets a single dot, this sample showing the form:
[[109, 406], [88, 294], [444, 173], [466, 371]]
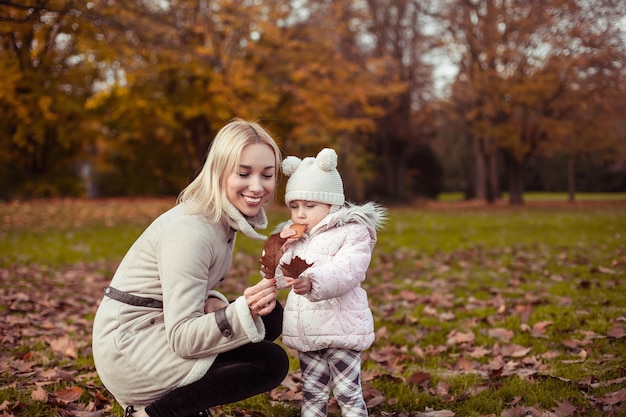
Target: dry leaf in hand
[[271, 255], [295, 267]]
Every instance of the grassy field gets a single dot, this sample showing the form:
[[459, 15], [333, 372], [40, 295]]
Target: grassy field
[[480, 310]]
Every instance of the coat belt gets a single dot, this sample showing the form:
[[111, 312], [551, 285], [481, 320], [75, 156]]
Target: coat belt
[[133, 300]]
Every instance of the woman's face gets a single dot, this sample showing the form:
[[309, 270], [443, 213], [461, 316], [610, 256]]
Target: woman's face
[[254, 180]]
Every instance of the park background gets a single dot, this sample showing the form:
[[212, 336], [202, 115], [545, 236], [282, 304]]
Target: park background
[[493, 130], [483, 97]]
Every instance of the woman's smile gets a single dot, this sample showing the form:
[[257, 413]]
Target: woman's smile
[[253, 181]]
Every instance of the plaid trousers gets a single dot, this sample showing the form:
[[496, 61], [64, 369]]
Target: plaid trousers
[[336, 369]]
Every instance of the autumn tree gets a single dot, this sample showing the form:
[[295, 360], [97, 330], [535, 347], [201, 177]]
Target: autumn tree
[[45, 81], [398, 46], [587, 120], [219, 59], [509, 86]]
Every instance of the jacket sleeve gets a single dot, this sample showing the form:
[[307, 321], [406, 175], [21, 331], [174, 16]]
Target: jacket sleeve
[[347, 268], [185, 257]]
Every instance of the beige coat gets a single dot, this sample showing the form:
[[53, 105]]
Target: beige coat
[[142, 353]]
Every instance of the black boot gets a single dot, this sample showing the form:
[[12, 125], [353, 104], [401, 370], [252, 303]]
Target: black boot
[[129, 411], [204, 413]]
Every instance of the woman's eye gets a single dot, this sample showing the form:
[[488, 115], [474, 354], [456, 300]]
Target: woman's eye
[[268, 176], [243, 174]]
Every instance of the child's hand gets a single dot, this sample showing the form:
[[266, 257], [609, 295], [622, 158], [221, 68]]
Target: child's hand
[[292, 233], [301, 285], [287, 232]]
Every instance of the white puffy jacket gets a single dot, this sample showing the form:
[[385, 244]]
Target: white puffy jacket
[[336, 312]]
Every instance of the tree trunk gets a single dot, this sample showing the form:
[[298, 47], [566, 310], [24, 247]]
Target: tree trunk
[[493, 182], [571, 178], [480, 179], [469, 184], [514, 177], [352, 180]]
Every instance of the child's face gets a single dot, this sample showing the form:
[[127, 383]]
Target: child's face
[[253, 181], [308, 212]]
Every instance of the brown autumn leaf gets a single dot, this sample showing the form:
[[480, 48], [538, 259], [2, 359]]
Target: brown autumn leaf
[[419, 378], [617, 331], [372, 396], [463, 364], [68, 395], [615, 397], [64, 346], [564, 408], [501, 334], [539, 328], [271, 255], [39, 394], [514, 350], [438, 413], [456, 337], [295, 267]]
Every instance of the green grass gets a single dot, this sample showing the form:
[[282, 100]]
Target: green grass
[[436, 272], [546, 196]]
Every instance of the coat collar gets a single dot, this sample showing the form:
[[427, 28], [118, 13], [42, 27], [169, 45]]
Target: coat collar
[[245, 225]]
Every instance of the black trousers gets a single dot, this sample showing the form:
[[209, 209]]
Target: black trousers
[[235, 375]]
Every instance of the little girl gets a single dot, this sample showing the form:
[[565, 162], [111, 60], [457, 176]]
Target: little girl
[[327, 318]]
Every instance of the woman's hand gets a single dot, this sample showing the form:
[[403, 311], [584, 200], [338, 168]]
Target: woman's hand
[[261, 298], [301, 285], [212, 304]]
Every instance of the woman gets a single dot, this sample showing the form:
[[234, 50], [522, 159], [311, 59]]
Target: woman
[[165, 341]]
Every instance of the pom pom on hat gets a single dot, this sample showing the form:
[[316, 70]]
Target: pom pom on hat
[[314, 179], [326, 159], [290, 164]]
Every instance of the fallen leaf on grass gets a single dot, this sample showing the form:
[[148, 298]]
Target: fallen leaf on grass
[[68, 395], [539, 328], [289, 390], [63, 346], [420, 379], [442, 391], [463, 365], [39, 394], [520, 411], [615, 397], [501, 334], [372, 396], [456, 337], [513, 350], [564, 408], [437, 413], [617, 331], [479, 352], [4, 405]]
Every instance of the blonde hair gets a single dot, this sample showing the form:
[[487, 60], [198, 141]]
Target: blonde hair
[[206, 194]]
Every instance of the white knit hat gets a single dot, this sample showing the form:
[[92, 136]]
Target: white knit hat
[[314, 179]]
